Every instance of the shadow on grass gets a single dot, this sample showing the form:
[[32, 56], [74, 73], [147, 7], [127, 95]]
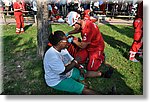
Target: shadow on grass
[[127, 30], [21, 65], [121, 46], [119, 85], [111, 86], [23, 72], [27, 26]]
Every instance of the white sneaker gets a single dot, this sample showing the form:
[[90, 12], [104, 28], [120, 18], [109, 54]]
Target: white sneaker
[[134, 60], [139, 52]]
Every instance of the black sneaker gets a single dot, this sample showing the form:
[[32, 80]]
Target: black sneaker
[[108, 73]]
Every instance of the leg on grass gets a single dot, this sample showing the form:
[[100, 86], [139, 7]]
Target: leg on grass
[[87, 91], [93, 74]]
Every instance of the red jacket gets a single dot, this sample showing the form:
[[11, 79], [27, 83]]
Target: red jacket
[[17, 5]]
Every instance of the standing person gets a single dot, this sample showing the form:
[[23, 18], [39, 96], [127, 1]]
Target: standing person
[[92, 44], [49, 11], [138, 33], [102, 6], [63, 8], [18, 13], [34, 8], [7, 6], [62, 71], [2, 11], [68, 5]]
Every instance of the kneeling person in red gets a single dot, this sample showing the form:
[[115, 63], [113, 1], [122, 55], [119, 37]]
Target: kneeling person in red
[[92, 45]]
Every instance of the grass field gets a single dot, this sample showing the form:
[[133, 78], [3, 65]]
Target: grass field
[[23, 70]]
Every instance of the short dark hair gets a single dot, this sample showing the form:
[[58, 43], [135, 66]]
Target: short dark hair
[[56, 37]]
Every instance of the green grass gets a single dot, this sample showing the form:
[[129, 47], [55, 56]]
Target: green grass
[[23, 71]]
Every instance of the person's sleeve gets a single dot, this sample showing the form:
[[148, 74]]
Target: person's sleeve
[[15, 6], [57, 65], [87, 35]]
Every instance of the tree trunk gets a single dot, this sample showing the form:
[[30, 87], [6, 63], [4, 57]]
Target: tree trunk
[[42, 27]]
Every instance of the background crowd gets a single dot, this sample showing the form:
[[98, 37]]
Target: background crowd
[[60, 8]]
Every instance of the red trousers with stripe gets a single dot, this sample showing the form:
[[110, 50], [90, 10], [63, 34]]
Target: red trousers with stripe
[[137, 43], [95, 58], [19, 20]]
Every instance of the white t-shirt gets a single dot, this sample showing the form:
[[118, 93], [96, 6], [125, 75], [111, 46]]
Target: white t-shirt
[[96, 4], [54, 64], [49, 7], [34, 4]]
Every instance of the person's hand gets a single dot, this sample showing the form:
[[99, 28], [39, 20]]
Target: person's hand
[[78, 58], [70, 39], [75, 38], [82, 72], [75, 41], [21, 9]]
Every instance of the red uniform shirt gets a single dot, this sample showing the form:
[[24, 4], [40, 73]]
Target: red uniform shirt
[[91, 34], [17, 5], [138, 27], [138, 24]]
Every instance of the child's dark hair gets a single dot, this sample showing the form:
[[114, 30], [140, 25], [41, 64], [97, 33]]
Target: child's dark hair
[[56, 37]]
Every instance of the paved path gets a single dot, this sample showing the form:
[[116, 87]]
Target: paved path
[[118, 22], [11, 21]]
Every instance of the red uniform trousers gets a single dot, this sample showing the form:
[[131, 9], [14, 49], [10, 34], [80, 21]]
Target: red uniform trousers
[[95, 58], [19, 22], [137, 43], [138, 34]]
